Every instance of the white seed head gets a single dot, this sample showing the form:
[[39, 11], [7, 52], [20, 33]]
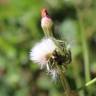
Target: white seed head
[[42, 51]]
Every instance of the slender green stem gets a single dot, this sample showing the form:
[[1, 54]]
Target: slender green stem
[[64, 81], [85, 47], [90, 82], [87, 84]]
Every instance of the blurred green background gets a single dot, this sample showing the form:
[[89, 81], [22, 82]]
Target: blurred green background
[[20, 29]]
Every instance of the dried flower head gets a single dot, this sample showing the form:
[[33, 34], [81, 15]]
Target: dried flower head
[[42, 52], [47, 55]]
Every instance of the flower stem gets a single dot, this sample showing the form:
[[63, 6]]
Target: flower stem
[[64, 81], [85, 48], [87, 84]]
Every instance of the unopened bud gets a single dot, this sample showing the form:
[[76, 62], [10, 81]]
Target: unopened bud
[[46, 23]]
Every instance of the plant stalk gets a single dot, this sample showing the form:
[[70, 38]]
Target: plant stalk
[[85, 49], [64, 81], [87, 84]]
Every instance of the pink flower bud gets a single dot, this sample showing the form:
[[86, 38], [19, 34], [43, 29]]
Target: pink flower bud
[[46, 23]]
